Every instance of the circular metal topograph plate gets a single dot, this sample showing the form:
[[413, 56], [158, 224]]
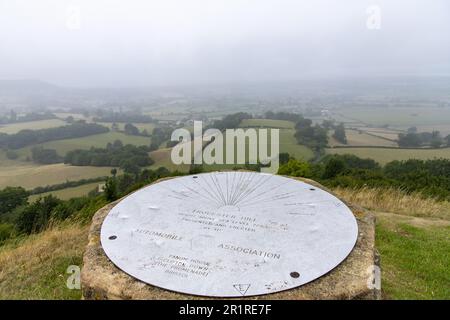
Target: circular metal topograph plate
[[229, 234]]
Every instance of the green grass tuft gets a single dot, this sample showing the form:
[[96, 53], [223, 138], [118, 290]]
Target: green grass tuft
[[415, 261]]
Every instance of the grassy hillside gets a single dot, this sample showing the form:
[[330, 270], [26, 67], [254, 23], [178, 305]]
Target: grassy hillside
[[415, 257], [35, 267], [414, 251], [412, 239], [288, 143]]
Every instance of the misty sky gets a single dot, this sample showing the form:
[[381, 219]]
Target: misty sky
[[167, 42]]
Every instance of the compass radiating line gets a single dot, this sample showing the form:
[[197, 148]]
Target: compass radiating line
[[257, 186], [226, 179], [262, 194], [261, 181], [247, 188], [222, 193], [276, 197], [238, 179], [217, 188], [241, 187], [211, 190], [196, 192], [184, 195], [217, 200], [233, 187]]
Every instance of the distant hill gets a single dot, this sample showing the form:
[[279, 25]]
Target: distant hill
[[28, 86]]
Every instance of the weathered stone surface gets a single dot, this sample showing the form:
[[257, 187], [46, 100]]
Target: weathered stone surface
[[101, 279]]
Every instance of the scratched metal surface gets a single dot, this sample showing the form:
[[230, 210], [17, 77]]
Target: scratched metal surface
[[229, 234]]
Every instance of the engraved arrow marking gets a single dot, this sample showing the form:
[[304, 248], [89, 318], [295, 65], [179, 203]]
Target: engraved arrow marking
[[241, 288]]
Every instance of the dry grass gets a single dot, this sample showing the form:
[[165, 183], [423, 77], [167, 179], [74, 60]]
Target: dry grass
[[391, 220], [394, 200], [35, 268], [412, 239]]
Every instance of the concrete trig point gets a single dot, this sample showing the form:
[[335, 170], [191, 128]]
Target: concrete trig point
[[231, 235]]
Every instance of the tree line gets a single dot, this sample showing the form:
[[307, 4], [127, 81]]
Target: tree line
[[414, 139], [115, 154], [159, 135], [231, 121], [429, 177], [313, 136]]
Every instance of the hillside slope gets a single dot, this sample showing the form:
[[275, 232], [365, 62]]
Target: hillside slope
[[35, 267], [414, 246]]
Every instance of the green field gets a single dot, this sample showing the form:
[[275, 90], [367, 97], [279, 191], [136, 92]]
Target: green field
[[31, 176], [68, 193], [397, 116], [31, 125], [24, 173], [384, 156], [360, 138], [391, 135], [287, 143]]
